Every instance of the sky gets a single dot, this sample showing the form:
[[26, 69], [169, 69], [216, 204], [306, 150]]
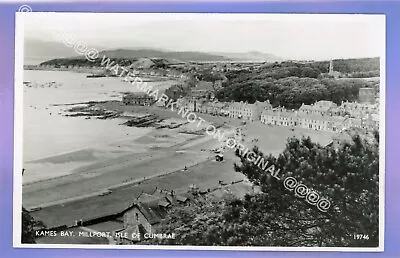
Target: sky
[[291, 36]]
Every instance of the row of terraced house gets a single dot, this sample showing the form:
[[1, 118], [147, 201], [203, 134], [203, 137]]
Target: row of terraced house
[[322, 115], [326, 116]]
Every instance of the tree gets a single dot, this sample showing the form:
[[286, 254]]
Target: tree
[[347, 176], [290, 84], [193, 224], [28, 225]]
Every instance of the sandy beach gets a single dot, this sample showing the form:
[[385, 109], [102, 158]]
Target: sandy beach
[[55, 145], [80, 157]]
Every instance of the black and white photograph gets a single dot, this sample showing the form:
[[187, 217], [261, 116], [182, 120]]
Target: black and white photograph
[[199, 131]]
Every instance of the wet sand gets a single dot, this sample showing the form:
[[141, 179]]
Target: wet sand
[[55, 145], [112, 173]]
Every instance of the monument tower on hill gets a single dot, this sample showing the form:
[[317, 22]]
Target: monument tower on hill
[[334, 74]]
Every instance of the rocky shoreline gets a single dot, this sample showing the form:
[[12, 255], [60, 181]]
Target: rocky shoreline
[[94, 109]]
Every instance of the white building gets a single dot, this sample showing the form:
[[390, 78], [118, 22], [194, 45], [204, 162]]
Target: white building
[[250, 112], [282, 117]]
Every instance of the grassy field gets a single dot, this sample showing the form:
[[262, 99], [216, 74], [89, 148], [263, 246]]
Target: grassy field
[[273, 139]]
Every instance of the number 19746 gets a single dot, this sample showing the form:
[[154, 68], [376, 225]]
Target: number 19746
[[361, 237]]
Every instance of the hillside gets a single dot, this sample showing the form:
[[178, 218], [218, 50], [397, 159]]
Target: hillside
[[150, 53], [46, 50], [189, 56], [36, 51], [254, 56]]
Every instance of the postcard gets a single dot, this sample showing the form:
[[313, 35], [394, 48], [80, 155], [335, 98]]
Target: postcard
[[199, 131]]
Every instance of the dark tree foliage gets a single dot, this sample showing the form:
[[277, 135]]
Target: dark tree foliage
[[85, 62], [350, 65], [356, 65], [181, 89], [176, 91], [230, 75], [369, 74], [288, 69], [290, 84], [347, 177], [209, 75], [290, 92], [28, 227]]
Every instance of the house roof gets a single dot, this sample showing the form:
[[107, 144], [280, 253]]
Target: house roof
[[300, 115], [303, 106], [280, 113], [181, 198], [265, 104], [145, 197], [163, 203], [171, 199], [241, 105], [325, 103], [319, 117], [151, 212], [214, 104]]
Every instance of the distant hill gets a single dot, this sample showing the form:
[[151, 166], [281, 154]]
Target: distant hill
[[254, 56], [46, 50], [143, 63], [188, 56], [162, 54], [37, 51]]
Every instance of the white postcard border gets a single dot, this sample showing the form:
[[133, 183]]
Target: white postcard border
[[18, 147]]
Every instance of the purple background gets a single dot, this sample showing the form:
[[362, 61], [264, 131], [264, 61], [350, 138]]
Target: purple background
[[392, 204]]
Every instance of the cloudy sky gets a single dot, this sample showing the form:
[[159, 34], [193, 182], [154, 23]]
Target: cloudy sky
[[288, 36]]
